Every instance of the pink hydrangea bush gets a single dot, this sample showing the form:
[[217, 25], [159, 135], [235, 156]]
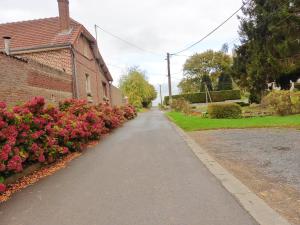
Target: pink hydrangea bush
[[129, 112], [32, 133]]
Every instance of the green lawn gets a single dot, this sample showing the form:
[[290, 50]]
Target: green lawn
[[192, 123]]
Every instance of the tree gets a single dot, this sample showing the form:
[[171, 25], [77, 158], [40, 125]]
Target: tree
[[270, 50], [135, 86], [189, 85], [225, 48], [203, 68], [206, 81]]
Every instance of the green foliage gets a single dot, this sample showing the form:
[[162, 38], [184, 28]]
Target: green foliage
[[203, 68], [162, 107], [217, 96], [136, 87], [270, 51], [225, 82], [242, 104], [190, 85], [193, 123], [224, 110], [283, 102], [181, 105], [297, 86], [206, 81]]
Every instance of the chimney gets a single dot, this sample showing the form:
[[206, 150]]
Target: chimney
[[64, 15], [7, 41]]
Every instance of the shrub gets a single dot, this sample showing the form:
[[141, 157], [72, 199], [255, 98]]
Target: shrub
[[297, 86], [162, 107], [181, 105], [217, 96], [31, 133], [224, 110], [283, 102]]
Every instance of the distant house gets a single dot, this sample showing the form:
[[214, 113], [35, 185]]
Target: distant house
[[63, 44]]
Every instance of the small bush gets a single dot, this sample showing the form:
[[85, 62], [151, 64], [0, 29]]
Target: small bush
[[181, 105], [297, 86], [162, 107], [224, 110], [257, 110], [217, 96], [283, 102]]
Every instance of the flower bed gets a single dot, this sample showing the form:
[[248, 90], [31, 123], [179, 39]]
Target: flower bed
[[33, 133]]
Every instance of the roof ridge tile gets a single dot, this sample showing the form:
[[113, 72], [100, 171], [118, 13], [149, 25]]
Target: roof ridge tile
[[25, 21]]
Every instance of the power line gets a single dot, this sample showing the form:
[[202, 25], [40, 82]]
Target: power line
[[127, 42], [214, 30]]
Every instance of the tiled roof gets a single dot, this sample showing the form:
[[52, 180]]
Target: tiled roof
[[38, 33], [45, 33]]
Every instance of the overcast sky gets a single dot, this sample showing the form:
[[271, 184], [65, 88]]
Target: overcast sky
[[158, 26]]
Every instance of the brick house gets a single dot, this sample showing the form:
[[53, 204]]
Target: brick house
[[64, 45]]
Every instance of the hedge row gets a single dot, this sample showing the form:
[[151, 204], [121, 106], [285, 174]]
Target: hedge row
[[33, 133], [224, 110], [217, 96]]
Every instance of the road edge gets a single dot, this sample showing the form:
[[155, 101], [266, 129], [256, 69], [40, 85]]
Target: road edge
[[255, 206]]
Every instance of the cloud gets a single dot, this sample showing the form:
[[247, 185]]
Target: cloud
[[159, 26]]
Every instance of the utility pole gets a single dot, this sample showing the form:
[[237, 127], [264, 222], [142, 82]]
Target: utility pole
[[169, 79], [161, 101]]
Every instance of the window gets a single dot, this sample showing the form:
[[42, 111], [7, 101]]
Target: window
[[88, 85], [104, 89]]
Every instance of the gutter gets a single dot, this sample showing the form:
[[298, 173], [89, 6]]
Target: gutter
[[39, 49]]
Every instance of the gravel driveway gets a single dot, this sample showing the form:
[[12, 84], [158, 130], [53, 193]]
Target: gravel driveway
[[266, 160], [276, 151]]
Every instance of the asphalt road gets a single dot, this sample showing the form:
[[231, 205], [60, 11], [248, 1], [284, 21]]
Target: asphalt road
[[142, 174]]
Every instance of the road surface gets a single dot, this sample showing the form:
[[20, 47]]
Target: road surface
[[142, 174]]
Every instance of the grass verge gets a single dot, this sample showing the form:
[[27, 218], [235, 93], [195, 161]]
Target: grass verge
[[193, 123]]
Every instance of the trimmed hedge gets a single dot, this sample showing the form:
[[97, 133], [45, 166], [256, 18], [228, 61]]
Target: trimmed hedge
[[297, 86], [224, 110], [217, 96]]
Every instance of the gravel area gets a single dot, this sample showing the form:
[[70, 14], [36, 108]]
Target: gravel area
[[275, 151], [265, 160]]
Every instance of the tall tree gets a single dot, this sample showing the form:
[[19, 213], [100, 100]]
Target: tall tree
[[135, 86], [270, 51], [203, 68]]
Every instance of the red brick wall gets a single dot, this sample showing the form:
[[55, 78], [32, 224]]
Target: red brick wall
[[20, 81], [116, 95], [60, 59], [86, 64]]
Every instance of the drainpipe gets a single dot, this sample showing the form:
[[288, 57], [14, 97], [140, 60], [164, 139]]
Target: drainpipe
[[110, 93], [74, 73]]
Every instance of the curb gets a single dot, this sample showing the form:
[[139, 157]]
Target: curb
[[29, 170], [255, 206]]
